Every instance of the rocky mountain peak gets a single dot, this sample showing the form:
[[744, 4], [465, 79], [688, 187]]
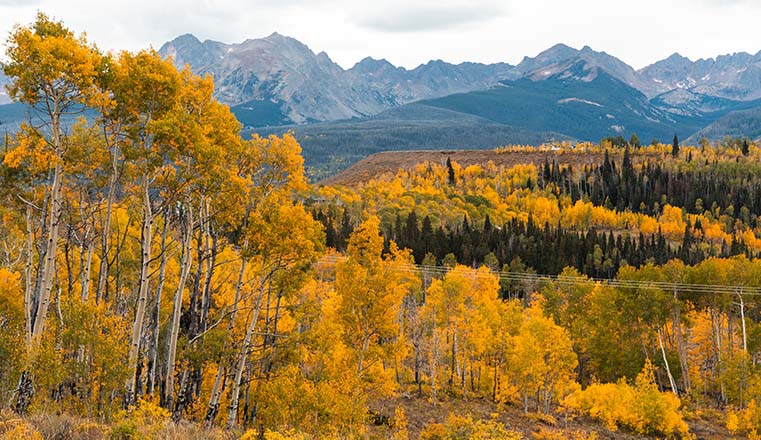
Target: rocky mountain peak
[[288, 78]]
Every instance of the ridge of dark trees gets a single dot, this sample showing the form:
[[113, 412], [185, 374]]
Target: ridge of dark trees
[[719, 189]]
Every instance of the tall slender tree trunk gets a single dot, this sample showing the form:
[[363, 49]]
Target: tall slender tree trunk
[[742, 319], [174, 329], [86, 266], [40, 301], [243, 354], [681, 346], [153, 350], [48, 266], [453, 366], [495, 387], [434, 361], [666, 363], [28, 286], [102, 288], [216, 391], [142, 296]]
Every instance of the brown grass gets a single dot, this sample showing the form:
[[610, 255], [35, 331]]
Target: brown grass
[[421, 411]]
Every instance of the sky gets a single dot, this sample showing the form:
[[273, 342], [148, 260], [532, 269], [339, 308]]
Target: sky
[[411, 32]]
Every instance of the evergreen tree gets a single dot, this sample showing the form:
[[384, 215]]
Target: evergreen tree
[[745, 147], [450, 170], [634, 141], [626, 164], [675, 147]]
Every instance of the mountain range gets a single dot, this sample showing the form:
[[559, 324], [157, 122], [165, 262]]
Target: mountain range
[[277, 84], [277, 79]]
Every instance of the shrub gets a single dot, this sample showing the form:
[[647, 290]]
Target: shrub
[[464, 427], [18, 429], [745, 421], [640, 408]]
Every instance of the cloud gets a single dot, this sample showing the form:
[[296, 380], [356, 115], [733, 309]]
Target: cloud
[[400, 16], [730, 3], [18, 3]]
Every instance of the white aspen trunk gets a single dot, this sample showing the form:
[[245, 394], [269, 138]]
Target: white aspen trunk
[[86, 270], [243, 355], [48, 266], [216, 391], [666, 363], [681, 346], [453, 366], [435, 355], [39, 301], [745, 350], [104, 246], [28, 276], [215, 396], [153, 352], [742, 319], [363, 350], [495, 388], [137, 325], [210, 251], [174, 330]]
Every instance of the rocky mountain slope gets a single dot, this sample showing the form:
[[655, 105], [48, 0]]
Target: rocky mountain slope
[[736, 76], [278, 80]]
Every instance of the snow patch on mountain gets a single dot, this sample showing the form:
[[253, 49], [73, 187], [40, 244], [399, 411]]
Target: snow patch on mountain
[[583, 101]]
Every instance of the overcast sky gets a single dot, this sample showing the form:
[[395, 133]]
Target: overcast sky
[[412, 32]]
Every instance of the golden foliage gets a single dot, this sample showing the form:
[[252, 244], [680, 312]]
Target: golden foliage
[[640, 408]]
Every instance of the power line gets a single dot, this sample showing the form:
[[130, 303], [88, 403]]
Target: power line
[[712, 289]]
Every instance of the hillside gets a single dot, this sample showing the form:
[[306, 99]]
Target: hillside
[[12, 115], [581, 101], [741, 123], [578, 101], [388, 162], [331, 147], [278, 84]]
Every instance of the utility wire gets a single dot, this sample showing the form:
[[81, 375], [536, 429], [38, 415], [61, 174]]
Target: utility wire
[[712, 289]]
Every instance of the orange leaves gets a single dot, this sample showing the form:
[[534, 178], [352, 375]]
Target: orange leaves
[[144, 86], [583, 215], [640, 408], [31, 152], [366, 243], [273, 163], [542, 360], [285, 233], [369, 296], [11, 295], [48, 63]]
